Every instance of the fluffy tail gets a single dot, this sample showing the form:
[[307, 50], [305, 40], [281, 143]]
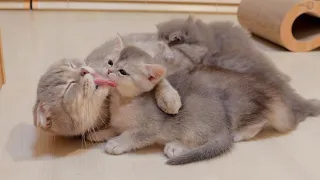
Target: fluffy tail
[[301, 107], [207, 151]]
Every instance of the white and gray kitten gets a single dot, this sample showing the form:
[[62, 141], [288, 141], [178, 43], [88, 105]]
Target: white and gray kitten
[[219, 107]]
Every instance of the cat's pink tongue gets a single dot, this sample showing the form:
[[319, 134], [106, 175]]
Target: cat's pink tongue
[[101, 81]]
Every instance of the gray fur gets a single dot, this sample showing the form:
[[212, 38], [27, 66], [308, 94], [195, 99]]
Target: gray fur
[[229, 46], [217, 105]]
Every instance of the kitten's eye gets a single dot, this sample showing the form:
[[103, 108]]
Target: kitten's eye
[[110, 62], [123, 72]]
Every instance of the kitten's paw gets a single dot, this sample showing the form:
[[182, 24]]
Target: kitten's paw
[[100, 136], [115, 147], [174, 149], [169, 102]]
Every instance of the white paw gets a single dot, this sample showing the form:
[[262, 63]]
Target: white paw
[[169, 102], [174, 149], [114, 147]]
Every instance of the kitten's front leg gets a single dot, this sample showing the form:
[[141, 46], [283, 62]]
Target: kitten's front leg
[[129, 141], [168, 99]]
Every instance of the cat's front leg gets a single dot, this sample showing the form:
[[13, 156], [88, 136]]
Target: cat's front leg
[[129, 141], [168, 99]]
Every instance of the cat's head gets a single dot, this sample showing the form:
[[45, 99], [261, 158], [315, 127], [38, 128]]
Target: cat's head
[[70, 97], [176, 31], [135, 72]]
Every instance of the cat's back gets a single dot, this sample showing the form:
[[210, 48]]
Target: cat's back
[[208, 77], [231, 35]]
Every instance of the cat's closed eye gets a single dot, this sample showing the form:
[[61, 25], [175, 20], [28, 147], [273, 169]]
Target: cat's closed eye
[[123, 72]]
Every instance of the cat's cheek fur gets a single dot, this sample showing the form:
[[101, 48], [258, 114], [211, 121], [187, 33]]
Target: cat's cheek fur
[[41, 117]]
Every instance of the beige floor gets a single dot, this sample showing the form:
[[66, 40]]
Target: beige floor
[[32, 41]]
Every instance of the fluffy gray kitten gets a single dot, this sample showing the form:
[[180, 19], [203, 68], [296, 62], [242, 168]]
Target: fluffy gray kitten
[[229, 46], [219, 107]]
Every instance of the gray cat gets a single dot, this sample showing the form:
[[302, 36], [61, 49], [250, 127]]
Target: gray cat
[[219, 107], [228, 46], [72, 99]]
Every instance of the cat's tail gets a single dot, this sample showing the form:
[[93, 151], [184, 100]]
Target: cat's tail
[[301, 107], [209, 150], [287, 112]]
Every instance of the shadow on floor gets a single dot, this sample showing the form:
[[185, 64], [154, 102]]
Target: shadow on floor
[[26, 143]]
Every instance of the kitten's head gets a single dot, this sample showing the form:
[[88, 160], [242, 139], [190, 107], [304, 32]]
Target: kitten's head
[[177, 31], [70, 98], [135, 72]]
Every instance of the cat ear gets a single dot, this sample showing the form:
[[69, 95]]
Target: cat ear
[[155, 72], [42, 117], [190, 18], [119, 42]]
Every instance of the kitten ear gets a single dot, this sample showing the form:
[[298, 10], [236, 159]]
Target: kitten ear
[[155, 72], [119, 42], [190, 18], [42, 117], [157, 26]]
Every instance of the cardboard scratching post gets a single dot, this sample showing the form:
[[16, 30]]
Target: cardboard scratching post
[[293, 24]]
